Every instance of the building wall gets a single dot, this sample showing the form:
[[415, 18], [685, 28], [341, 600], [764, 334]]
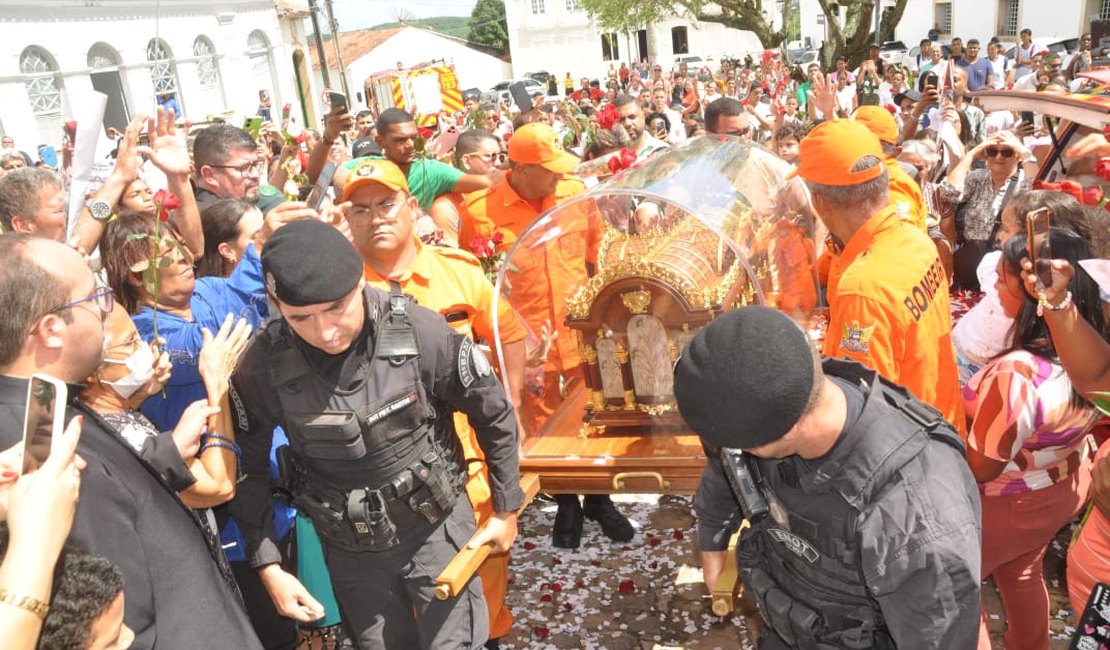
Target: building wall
[[70, 30], [563, 39], [410, 47]]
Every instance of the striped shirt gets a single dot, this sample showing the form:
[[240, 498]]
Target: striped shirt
[[1020, 411]]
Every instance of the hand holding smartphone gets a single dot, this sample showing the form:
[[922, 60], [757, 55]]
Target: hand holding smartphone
[[43, 419], [1038, 246], [337, 101]]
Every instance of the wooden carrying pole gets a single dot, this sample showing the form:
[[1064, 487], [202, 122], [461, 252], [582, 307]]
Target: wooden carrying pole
[[452, 581]]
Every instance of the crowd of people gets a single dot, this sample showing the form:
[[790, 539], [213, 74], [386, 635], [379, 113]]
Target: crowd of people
[[228, 335]]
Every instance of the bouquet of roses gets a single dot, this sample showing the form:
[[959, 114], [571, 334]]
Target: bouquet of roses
[[486, 250]]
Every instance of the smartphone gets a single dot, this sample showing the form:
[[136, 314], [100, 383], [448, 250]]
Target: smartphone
[[43, 419], [1037, 224], [319, 191], [1027, 117], [520, 96], [336, 100], [253, 125]]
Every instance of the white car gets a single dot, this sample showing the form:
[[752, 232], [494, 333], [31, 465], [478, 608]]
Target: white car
[[692, 61]]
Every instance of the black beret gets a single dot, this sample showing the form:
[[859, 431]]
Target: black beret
[[309, 262], [745, 378]]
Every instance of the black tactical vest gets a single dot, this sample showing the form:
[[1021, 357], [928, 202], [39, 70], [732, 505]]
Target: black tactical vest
[[376, 458], [801, 562]]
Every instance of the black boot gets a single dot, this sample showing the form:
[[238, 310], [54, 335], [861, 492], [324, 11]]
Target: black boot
[[567, 531], [600, 508], [493, 644]]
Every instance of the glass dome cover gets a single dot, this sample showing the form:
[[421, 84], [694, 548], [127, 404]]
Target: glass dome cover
[[611, 284]]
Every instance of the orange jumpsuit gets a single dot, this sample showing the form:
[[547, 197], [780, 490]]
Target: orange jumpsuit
[[542, 276], [451, 282], [889, 310]]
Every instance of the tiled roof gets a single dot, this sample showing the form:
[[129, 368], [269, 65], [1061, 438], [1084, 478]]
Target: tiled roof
[[353, 45]]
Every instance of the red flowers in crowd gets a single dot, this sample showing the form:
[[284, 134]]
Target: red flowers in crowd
[[425, 133], [164, 201], [485, 249], [622, 160], [1086, 196], [608, 116]]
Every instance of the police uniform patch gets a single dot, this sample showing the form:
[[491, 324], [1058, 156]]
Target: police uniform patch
[[481, 362], [856, 338], [795, 544], [466, 369]]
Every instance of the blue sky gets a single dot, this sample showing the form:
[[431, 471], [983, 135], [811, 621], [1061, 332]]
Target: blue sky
[[357, 14]]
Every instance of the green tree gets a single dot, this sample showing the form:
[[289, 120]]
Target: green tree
[[849, 23], [488, 26]]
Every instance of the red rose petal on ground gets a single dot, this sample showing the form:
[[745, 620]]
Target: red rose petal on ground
[[566, 607], [626, 548], [528, 546], [555, 561], [626, 587], [654, 541], [678, 534], [541, 632], [580, 584], [557, 587], [546, 598]]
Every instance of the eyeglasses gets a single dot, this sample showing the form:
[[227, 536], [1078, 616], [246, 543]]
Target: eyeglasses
[[253, 168], [994, 152], [383, 209], [491, 157], [101, 298]]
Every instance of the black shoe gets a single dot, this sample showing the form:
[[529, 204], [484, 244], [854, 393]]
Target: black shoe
[[615, 526], [493, 644], [567, 531]]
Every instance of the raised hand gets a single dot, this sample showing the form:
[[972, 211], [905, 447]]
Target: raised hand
[[168, 149]]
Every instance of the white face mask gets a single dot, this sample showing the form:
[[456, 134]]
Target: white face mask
[[140, 365]]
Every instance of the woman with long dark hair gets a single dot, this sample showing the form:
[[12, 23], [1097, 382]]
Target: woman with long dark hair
[[230, 225], [1028, 444]]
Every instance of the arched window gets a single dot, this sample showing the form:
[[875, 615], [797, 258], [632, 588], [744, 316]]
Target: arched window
[[679, 42], [207, 70], [40, 76], [262, 64], [102, 55], [162, 71]]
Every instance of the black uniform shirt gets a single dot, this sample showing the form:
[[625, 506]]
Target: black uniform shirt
[[257, 410]]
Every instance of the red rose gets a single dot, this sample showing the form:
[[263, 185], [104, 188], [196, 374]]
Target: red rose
[[545, 598], [1103, 168], [478, 246], [1092, 196], [614, 165], [498, 238], [1072, 188], [654, 541], [425, 132], [626, 587], [541, 632], [678, 535], [164, 201], [528, 546]]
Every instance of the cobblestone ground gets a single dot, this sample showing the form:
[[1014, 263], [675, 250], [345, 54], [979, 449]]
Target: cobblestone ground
[[648, 594]]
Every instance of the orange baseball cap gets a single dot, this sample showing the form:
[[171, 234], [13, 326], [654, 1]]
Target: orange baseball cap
[[880, 121], [832, 148], [539, 144], [382, 172]]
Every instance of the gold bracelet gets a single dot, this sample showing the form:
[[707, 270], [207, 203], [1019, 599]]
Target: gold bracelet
[[33, 605]]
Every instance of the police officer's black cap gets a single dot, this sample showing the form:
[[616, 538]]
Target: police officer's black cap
[[309, 262], [745, 378]]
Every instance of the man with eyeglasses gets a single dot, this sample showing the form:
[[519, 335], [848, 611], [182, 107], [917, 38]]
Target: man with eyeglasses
[[227, 165], [476, 152], [54, 324], [449, 281], [364, 383], [727, 116]]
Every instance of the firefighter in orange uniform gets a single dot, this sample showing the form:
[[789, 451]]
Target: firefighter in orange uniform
[[451, 282], [543, 275], [905, 193], [887, 291]]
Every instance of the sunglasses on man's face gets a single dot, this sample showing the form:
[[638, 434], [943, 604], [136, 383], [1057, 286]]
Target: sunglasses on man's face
[[995, 152]]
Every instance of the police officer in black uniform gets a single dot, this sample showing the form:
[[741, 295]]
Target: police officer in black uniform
[[365, 384], [865, 522]]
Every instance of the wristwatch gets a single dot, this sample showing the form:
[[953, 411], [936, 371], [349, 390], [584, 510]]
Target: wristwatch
[[100, 209]]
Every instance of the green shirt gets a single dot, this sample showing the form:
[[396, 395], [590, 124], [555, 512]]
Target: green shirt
[[427, 179]]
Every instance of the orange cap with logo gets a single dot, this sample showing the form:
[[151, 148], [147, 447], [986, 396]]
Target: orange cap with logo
[[539, 144], [832, 148], [382, 172], [880, 121]]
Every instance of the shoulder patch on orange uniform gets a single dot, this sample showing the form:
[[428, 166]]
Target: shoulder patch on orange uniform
[[856, 338]]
